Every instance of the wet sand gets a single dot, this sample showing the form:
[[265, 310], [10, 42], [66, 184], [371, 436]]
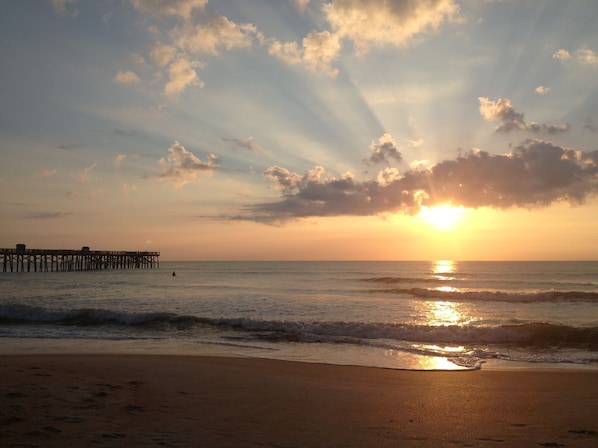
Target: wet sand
[[188, 401]]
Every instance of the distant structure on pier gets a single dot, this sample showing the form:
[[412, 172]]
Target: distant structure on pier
[[22, 259]]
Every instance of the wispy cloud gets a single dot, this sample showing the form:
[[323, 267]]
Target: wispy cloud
[[51, 215], [65, 8], [85, 176], [247, 144], [44, 174], [118, 160], [126, 77]]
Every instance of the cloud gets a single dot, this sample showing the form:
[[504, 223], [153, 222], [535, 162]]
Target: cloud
[[85, 176], [217, 33], [534, 174], [590, 125], [64, 9], [301, 5], [126, 188], [182, 166], [365, 23], [44, 174], [128, 77], [383, 151], [562, 55], [162, 54], [586, 56], [118, 160], [395, 22], [246, 144], [583, 56], [283, 178], [181, 74], [541, 90], [318, 51], [180, 8], [195, 32], [510, 120], [50, 215]]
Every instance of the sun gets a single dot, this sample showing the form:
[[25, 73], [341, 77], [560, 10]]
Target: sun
[[442, 217]]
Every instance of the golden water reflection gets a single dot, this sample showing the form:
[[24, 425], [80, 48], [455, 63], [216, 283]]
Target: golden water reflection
[[447, 313], [440, 267]]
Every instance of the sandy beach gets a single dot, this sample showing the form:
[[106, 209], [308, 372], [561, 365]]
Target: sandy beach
[[114, 401]]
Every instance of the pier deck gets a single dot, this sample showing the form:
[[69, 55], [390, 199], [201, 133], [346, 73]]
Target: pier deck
[[22, 259]]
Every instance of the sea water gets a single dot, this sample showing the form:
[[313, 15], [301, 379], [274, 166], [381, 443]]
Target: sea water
[[405, 315]]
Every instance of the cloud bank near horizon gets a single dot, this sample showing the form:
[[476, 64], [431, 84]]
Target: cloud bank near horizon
[[536, 173]]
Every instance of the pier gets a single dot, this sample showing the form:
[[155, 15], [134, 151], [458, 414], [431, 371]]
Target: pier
[[22, 259]]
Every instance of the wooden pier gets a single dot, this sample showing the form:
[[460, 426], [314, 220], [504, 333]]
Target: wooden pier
[[22, 259]]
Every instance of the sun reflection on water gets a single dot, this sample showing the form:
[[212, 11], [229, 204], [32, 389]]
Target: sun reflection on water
[[444, 267]]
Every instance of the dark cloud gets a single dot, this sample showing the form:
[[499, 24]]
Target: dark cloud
[[590, 125], [511, 120], [383, 151], [536, 173]]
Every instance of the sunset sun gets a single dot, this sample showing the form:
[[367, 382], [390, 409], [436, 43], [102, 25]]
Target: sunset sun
[[442, 217]]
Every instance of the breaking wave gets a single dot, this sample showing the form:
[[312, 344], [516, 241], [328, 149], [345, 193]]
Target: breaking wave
[[455, 294], [537, 334]]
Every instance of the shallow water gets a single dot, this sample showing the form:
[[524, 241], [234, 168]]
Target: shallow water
[[413, 315]]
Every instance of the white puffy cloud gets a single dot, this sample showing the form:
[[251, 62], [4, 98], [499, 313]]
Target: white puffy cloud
[[182, 166], [584, 56], [318, 51], [181, 74], [217, 33], [394, 22], [562, 55]]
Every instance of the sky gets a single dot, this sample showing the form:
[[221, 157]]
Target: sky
[[301, 129]]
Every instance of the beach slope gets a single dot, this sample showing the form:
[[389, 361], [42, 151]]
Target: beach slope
[[129, 401]]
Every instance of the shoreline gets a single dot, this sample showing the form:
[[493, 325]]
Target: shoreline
[[90, 347], [175, 400]]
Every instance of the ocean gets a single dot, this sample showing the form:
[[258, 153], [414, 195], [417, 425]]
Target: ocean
[[439, 315]]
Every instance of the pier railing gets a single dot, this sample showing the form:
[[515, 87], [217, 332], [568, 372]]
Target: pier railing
[[49, 260]]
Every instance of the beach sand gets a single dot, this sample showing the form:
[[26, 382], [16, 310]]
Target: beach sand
[[188, 401]]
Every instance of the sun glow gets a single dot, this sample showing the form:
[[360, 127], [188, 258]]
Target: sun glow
[[442, 217]]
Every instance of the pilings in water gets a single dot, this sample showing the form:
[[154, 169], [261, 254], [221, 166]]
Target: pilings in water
[[22, 259]]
